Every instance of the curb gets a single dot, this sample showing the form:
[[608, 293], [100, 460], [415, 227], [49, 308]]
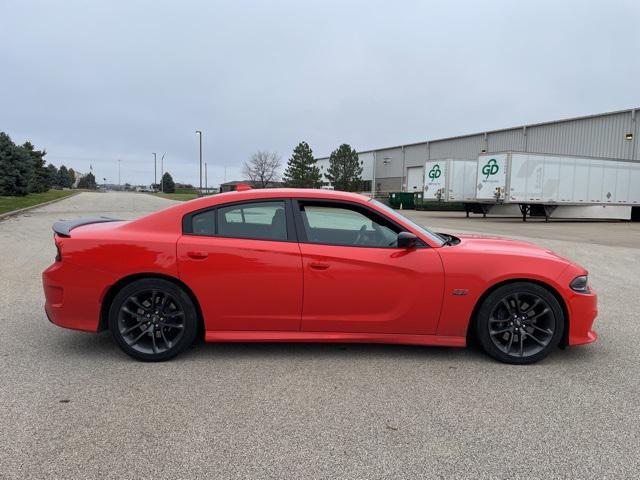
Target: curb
[[38, 205]]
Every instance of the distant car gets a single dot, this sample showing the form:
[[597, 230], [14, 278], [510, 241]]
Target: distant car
[[291, 265]]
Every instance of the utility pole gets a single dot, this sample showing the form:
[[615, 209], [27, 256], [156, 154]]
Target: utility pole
[[118, 172], [206, 184], [155, 173]]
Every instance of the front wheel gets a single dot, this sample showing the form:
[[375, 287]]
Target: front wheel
[[520, 323], [153, 319]]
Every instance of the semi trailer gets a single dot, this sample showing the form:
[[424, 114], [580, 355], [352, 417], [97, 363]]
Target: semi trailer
[[450, 180], [545, 185]]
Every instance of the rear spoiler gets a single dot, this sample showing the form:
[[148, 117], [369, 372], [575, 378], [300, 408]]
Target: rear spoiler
[[64, 227]]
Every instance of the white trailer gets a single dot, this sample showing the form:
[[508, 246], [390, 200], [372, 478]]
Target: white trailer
[[450, 180], [541, 183]]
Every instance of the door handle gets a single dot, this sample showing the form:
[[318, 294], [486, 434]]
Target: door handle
[[319, 265], [197, 255]]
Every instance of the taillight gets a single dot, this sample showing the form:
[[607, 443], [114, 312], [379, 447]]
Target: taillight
[[58, 251]]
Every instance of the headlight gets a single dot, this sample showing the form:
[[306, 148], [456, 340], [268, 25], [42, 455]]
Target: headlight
[[580, 284]]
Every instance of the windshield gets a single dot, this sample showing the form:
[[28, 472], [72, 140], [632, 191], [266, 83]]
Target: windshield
[[395, 214]]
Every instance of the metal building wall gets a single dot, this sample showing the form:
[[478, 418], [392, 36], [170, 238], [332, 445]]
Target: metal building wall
[[389, 163], [388, 184], [459, 147], [601, 136], [415, 155], [513, 139], [366, 159]]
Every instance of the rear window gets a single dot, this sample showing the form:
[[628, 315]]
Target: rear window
[[255, 220], [204, 223], [259, 220]]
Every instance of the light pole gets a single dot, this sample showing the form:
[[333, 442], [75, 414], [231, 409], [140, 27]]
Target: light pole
[[162, 173], [118, 172], [206, 184], [199, 133], [155, 172]]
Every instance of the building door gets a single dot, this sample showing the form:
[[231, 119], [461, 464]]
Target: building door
[[415, 179]]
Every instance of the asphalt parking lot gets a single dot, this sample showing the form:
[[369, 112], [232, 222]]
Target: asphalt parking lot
[[73, 406]]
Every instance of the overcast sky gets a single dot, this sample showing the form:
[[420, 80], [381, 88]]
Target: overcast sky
[[97, 81]]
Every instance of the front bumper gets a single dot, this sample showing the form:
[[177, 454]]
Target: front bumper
[[583, 310]]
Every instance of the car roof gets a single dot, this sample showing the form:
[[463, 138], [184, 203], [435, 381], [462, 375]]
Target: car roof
[[287, 192], [165, 220], [266, 193]]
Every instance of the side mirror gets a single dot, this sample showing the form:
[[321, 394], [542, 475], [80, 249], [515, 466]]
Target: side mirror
[[407, 240]]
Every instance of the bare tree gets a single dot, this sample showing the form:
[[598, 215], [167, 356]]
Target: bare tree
[[262, 168]]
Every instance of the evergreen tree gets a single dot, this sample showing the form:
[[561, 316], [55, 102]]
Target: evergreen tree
[[88, 182], [64, 179], [39, 176], [52, 171], [15, 168], [344, 169], [302, 171], [72, 175], [168, 186]]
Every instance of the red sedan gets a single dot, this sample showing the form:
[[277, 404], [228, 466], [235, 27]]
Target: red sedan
[[285, 265]]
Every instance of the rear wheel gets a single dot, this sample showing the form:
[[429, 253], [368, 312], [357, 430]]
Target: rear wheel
[[153, 319], [520, 323]]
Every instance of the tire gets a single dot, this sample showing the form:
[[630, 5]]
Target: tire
[[519, 323], [153, 334]]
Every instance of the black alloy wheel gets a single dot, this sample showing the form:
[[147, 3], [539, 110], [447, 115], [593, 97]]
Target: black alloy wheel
[[152, 319], [520, 323]]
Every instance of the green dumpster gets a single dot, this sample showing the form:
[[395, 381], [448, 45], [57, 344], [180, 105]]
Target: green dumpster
[[401, 200]]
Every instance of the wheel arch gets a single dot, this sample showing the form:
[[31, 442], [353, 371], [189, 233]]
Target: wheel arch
[[471, 326], [113, 290]]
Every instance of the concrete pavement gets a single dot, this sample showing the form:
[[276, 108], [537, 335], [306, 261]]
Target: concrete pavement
[[73, 406]]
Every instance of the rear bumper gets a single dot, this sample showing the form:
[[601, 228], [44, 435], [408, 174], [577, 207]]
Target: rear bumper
[[73, 296], [583, 310]]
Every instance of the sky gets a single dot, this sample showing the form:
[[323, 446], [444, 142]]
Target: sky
[[95, 82]]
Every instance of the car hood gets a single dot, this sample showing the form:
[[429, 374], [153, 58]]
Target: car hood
[[491, 244]]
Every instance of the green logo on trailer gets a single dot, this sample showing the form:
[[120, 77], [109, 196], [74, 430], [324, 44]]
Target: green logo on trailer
[[435, 172], [491, 168]]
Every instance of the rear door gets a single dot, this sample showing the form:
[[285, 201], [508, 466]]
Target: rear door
[[357, 280], [243, 263]]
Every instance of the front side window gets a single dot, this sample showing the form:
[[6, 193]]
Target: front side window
[[396, 214], [257, 220], [344, 225]]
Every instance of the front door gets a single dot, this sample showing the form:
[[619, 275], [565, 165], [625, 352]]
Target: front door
[[357, 280], [243, 263]]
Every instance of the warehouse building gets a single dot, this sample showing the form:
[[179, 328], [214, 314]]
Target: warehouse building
[[612, 135]]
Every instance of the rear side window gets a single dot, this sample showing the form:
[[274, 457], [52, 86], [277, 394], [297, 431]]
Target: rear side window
[[258, 220], [204, 223]]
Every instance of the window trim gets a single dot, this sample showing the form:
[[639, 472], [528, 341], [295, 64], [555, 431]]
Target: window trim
[[187, 219], [370, 212]]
